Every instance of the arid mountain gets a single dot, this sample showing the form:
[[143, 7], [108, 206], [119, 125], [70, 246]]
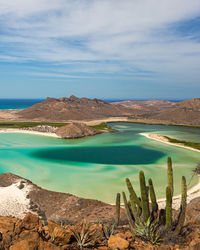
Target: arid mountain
[[83, 109], [73, 108], [185, 112], [150, 106]]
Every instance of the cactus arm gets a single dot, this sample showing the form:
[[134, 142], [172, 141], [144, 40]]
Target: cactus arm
[[134, 209], [181, 217], [144, 197], [168, 208], [153, 196], [129, 217], [170, 175], [117, 209], [132, 193]]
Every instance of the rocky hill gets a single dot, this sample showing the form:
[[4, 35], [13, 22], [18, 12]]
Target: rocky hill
[[73, 108], [76, 130], [185, 112], [84, 109]]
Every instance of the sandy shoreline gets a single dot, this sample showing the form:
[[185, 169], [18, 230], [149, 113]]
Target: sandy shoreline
[[192, 193], [161, 138], [13, 130]]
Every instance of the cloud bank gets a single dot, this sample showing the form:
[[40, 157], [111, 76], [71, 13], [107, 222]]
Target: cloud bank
[[150, 39]]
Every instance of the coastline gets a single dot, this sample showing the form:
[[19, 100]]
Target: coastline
[[162, 139], [193, 192], [13, 130]]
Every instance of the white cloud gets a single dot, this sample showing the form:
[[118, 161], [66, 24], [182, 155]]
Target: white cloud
[[133, 34]]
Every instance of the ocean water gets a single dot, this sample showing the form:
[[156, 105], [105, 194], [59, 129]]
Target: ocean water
[[18, 103], [96, 167]]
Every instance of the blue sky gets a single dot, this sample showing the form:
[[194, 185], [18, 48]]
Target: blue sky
[[111, 49]]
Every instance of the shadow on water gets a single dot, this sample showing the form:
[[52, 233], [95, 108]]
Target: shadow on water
[[119, 155]]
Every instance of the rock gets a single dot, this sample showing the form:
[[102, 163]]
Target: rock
[[7, 225], [116, 242], [26, 235], [76, 130], [27, 244], [30, 222], [193, 210], [43, 245]]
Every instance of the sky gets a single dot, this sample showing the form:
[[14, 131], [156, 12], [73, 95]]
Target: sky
[[109, 49]]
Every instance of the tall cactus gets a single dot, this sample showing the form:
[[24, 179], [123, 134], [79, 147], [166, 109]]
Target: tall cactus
[[144, 197], [137, 206], [134, 209], [170, 175], [168, 208], [153, 196], [181, 217], [132, 193], [117, 217], [128, 213]]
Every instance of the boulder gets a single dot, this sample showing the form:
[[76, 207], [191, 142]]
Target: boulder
[[30, 222], [116, 242]]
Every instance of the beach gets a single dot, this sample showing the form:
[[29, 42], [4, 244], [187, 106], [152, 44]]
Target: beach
[[162, 139], [22, 131], [192, 193]]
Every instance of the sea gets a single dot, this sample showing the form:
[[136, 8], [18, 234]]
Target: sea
[[18, 103], [96, 167]]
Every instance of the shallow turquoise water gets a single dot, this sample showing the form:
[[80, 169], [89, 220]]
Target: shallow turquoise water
[[95, 167]]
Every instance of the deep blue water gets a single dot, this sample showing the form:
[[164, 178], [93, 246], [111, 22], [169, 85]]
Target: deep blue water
[[18, 103]]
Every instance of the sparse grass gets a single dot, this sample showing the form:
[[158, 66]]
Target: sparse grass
[[84, 236], [103, 126], [28, 124], [194, 145]]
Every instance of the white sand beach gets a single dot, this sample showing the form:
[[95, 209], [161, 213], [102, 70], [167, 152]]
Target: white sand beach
[[13, 130], [192, 193], [161, 138]]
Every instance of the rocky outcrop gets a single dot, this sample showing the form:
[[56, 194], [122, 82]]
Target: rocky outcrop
[[75, 130], [73, 108], [29, 233]]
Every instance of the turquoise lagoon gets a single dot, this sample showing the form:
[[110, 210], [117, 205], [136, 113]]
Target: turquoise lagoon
[[95, 167]]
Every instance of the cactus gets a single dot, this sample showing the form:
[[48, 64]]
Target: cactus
[[137, 206], [181, 217], [144, 197], [128, 213], [168, 208], [134, 209], [170, 175], [153, 196], [117, 209], [132, 193], [162, 217]]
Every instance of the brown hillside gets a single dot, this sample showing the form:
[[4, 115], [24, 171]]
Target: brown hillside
[[76, 130], [186, 112], [73, 108]]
